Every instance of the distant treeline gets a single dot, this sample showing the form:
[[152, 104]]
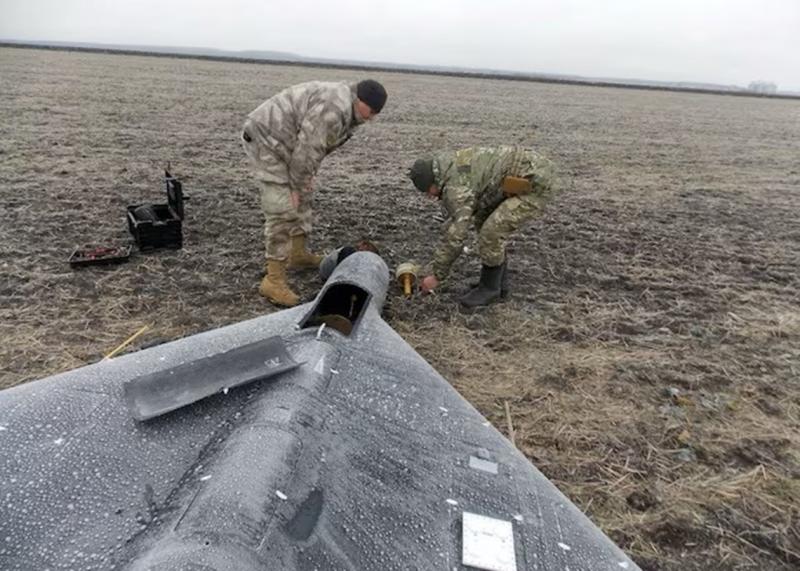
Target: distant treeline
[[404, 69]]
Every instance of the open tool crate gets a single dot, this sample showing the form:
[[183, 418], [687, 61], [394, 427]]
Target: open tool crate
[[99, 255], [159, 225]]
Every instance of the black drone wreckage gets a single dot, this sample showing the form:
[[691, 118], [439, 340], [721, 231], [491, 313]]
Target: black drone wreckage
[[357, 456]]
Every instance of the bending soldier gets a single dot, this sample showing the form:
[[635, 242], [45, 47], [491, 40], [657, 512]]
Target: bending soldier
[[286, 138], [494, 189]]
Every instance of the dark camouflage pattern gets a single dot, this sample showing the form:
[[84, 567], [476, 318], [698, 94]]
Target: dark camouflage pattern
[[470, 182]]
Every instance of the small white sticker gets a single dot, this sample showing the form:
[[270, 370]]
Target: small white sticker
[[488, 543]]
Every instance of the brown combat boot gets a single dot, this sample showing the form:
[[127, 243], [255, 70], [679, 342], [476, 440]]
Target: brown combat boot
[[299, 257], [274, 286]]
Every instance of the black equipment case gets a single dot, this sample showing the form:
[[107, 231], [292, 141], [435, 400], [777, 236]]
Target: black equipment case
[[159, 225]]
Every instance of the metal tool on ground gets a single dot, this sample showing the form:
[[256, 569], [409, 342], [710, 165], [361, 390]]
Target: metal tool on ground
[[406, 274], [99, 255]]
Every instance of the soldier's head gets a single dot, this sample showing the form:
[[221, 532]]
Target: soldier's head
[[370, 99], [421, 174]]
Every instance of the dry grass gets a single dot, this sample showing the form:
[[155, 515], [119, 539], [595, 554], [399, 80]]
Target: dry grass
[[684, 478]]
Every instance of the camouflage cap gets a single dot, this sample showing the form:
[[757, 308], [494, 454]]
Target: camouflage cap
[[421, 174]]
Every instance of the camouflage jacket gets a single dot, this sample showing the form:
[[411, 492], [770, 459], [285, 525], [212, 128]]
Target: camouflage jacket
[[303, 123], [470, 182]]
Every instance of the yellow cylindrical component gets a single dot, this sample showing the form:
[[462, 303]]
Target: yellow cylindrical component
[[406, 274], [407, 284]]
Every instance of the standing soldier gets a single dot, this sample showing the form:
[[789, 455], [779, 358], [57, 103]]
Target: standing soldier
[[286, 138], [496, 189]]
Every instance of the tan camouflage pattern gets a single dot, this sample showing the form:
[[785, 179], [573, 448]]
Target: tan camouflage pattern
[[302, 124], [279, 227], [290, 134], [281, 220], [470, 181]]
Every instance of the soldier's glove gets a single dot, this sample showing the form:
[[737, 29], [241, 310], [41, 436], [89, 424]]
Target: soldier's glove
[[429, 284]]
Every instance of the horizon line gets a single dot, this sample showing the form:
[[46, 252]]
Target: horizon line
[[193, 52]]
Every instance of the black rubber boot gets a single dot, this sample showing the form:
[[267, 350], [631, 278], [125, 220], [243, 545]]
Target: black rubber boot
[[505, 292], [488, 289]]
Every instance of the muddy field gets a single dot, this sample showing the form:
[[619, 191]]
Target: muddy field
[[649, 357]]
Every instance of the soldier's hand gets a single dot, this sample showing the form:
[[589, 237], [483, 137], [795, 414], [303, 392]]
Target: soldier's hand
[[429, 283], [295, 196]]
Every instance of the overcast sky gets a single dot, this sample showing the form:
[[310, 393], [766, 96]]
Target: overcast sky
[[718, 41]]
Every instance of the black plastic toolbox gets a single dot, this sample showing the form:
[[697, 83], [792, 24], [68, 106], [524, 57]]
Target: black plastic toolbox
[[159, 225]]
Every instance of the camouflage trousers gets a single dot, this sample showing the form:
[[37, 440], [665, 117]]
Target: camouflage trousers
[[495, 230], [281, 219]]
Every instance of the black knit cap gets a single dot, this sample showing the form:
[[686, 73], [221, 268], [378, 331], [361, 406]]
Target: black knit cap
[[372, 93], [421, 174]]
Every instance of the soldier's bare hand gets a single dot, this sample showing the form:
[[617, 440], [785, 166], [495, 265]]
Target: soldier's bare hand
[[429, 283], [295, 196]]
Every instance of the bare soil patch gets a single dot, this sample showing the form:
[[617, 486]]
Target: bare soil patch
[[649, 355]]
